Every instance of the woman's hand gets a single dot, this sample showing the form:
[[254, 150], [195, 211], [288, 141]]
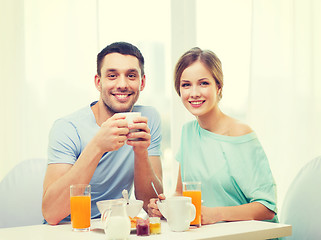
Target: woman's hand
[[152, 208]]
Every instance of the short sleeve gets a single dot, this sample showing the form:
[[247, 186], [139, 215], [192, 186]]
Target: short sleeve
[[154, 123], [64, 143], [253, 175]]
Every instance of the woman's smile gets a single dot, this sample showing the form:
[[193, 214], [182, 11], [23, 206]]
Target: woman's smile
[[196, 104]]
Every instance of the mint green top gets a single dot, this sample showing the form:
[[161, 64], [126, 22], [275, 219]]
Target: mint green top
[[233, 170]]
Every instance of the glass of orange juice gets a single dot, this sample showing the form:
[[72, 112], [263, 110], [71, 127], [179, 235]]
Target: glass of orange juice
[[80, 207], [193, 190]]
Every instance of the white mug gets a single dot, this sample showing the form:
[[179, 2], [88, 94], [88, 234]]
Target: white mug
[[179, 212], [130, 116]]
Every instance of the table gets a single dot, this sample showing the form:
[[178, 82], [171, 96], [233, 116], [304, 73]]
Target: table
[[242, 230]]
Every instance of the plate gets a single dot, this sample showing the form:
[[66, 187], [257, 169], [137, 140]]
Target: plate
[[97, 224], [133, 222]]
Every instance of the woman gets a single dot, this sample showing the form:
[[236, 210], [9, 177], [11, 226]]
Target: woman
[[218, 150]]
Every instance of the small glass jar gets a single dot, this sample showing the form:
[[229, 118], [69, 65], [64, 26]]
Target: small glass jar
[[154, 225], [142, 227]]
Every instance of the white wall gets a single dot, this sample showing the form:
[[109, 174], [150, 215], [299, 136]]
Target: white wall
[[12, 71], [269, 50]]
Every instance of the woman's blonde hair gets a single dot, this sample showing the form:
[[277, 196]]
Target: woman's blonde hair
[[208, 58]]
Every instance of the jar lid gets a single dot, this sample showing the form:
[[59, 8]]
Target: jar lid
[[154, 220]]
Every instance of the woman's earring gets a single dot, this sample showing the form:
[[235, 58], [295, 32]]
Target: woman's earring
[[219, 92]]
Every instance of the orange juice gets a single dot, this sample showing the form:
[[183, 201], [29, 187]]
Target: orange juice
[[196, 196], [80, 207]]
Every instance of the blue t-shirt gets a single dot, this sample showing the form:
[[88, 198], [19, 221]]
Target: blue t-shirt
[[115, 170], [233, 170]]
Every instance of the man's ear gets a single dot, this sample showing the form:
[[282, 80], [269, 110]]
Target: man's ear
[[97, 82], [142, 83]]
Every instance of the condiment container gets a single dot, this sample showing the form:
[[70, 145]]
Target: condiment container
[[154, 225], [142, 227]]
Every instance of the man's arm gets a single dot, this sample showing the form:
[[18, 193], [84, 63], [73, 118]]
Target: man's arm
[[59, 177], [147, 168], [147, 171]]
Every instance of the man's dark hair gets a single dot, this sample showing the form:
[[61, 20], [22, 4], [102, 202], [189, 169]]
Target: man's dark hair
[[122, 48]]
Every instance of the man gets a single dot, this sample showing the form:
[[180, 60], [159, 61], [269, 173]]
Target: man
[[91, 146]]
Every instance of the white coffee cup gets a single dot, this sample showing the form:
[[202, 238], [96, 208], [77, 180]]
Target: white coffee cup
[[179, 212], [130, 116]]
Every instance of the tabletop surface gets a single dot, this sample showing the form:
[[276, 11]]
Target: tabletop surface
[[246, 230]]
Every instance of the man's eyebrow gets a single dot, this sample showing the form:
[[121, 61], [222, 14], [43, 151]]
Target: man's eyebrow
[[132, 70], [115, 70]]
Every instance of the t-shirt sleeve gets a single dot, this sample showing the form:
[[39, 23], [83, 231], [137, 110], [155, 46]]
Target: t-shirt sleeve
[[154, 123], [64, 143], [253, 175]]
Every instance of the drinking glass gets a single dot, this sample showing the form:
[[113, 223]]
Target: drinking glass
[[193, 190], [80, 207]]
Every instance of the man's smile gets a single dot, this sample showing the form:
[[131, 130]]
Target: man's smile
[[122, 97]]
